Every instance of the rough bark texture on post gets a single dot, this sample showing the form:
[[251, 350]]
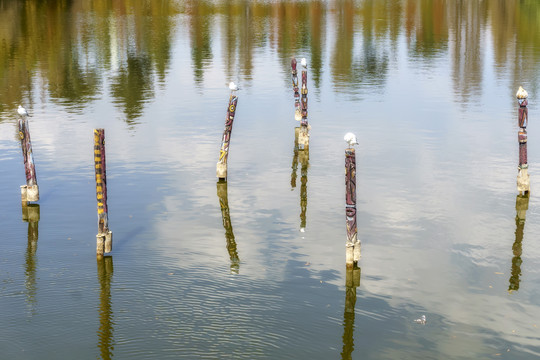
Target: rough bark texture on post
[[523, 182], [104, 236], [522, 205], [227, 225], [30, 191], [297, 108], [221, 167], [353, 244], [105, 332], [352, 281]]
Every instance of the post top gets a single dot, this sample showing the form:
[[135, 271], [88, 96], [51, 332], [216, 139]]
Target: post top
[[522, 93]]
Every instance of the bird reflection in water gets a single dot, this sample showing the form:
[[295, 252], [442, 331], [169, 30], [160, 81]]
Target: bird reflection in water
[[30, 214], [105, 332], [302, 156], [352, 281], [522, 205], [226, 218]]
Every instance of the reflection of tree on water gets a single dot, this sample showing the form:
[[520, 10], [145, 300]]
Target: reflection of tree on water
[[105, 332], [31, 216], [352, 281], [227, 225], [201, 40], [522, 205]]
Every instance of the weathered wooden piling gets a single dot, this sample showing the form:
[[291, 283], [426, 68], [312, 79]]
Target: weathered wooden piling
[[523, 183], [352, 281], [227, 225], [104, 236], [221, 167], [30, 191], [297, 108], [522, 205], [353, 244], [303, 139]]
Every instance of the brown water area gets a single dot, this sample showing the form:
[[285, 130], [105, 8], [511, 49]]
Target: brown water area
[[254, 267]]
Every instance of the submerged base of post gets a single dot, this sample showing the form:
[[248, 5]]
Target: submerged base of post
[[523, 183], [29, 193], [352, 254], [104, 243], [221, 171]]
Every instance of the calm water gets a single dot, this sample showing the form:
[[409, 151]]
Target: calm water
[[201, 270]]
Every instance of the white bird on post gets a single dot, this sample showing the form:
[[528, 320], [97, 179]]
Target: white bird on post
[[350, 138], [304, 62], [22, 111], [233, 86]]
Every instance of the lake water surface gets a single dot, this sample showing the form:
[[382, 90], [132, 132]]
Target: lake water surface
[[214, 271]]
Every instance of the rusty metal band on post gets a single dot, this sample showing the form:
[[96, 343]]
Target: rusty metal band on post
[[304, 91], [28, 157], [231, 111], [101, 180], [350, 195]]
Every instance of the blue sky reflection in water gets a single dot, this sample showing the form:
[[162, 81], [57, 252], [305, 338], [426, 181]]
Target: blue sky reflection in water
[[429, 89]]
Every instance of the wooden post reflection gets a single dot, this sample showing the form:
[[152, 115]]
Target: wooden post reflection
[[302, 156], [226, 218], [522, 205], [352, 281], [30, 214], [295, 158], [105, 332]]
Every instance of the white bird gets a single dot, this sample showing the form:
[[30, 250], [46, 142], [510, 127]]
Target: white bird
[[233, 86], [350, 138], [304, 62], [422, 320], [22, 111]]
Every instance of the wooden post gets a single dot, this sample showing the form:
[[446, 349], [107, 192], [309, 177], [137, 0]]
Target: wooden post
[[30, 191], [227, 225], [105, 332], [297, 109], [221, 167], [303, 139], [352, 281], [104, 236], [522, 205], [523, 183], [353, 244]]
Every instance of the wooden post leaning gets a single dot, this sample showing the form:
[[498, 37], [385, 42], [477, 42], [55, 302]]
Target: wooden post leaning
[[303, 138], [30, 191], [104, 236], [353, 244], [523, 183], [221, 167]]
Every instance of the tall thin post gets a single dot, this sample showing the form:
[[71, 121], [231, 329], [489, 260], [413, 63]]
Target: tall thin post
[[303, 139], [297, 108], [104, 236], [30, 191], [221, 167], [353, 244], [523, 183]]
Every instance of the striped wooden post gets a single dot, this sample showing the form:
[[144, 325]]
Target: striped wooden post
[[297, 108], [30, 191], [303, 139], [227, 225], [353, 244], [523, 183], [221, 167], [104, 236]]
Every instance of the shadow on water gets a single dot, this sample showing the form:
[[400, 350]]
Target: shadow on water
[[522, 205], [105, 332], [30, 214], [227, 225]]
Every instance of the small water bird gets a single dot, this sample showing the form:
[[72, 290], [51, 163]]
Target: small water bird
[[22, 111], [421, 321], [233, 86], [350, 138], [522, 93], [304, 62]]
